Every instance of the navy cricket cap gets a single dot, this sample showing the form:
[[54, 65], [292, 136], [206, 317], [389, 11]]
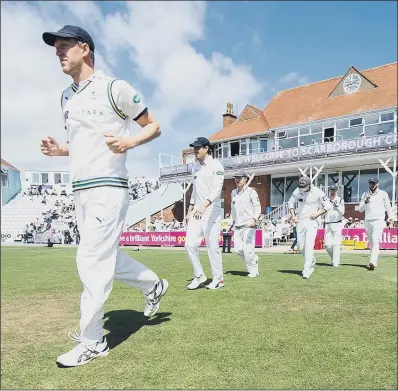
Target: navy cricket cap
[[242, 174], [200, 142], [69, 31], [373, 179], [334, 187], [304, 181]]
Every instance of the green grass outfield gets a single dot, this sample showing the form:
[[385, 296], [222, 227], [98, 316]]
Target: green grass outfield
[[337, 330]]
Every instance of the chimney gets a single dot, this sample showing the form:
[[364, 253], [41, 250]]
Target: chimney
[[229, 117]]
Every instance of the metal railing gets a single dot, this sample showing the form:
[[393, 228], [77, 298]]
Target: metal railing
[[288, 155], [278, 213]]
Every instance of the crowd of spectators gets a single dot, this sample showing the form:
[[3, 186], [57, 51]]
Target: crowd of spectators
[[58, 223], [139, 187], [283, 230], [159, 225]]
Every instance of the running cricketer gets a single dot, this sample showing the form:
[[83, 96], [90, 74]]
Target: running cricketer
[[204, 215], [312, 203], [245, 210], [334, 226], [375, 203], [97, 112]]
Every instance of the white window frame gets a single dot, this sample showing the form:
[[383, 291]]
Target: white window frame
[[4, 174], [63, 178], [259, 143], [229, 147], [387, 112], [243, 141], [41, 178], [38, 182], [304, 134], [55, 173], [356, 125], [218, 150], [329, 127]]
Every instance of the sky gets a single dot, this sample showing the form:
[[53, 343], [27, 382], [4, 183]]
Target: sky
[[186, 59]]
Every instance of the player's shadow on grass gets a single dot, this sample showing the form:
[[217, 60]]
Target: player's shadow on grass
[[298, 272], [237, 273], [355, 265], [122, 324]]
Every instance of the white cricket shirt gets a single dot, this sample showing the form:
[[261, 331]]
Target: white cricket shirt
[[208, 179], [308, 203], [245, 205], [100, 105], [336, 212], [378, 204]]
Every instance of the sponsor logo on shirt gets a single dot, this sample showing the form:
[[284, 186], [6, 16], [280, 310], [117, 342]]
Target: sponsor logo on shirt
[[84, 113]]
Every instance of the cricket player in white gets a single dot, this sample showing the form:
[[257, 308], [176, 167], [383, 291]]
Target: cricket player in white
[[97, 112], [204, 215], [245, 211], [312, 203], [334, 226], [375, 203]]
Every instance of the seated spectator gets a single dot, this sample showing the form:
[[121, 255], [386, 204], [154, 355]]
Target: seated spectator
[[176, 225], [278, 231], [349, 223], [357, 223]]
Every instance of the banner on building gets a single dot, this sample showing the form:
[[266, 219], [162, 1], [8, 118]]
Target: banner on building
[[358, 145]]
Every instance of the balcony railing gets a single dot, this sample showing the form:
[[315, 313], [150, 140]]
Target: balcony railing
[[307, 152]]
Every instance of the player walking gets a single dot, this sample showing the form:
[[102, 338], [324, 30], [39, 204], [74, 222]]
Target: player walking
[[375, 203], [97, 112], [204, 215], [312, 203], [246, 210], [334, 225]]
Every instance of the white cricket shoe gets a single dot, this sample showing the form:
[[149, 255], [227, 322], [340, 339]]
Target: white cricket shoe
[[197, 282], [253, 275], [216, 284], [307, 275], [82, 353], [153, 298]]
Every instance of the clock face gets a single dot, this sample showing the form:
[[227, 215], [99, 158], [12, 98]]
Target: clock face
[[352, 83]]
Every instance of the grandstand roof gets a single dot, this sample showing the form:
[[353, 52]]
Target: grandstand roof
[[4, 163], [317, 101]]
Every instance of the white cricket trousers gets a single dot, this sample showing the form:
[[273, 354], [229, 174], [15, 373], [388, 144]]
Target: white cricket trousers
[[333, 241], [306, 233], [100, 214], [208, 226], [374, 230], [244, 244]]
